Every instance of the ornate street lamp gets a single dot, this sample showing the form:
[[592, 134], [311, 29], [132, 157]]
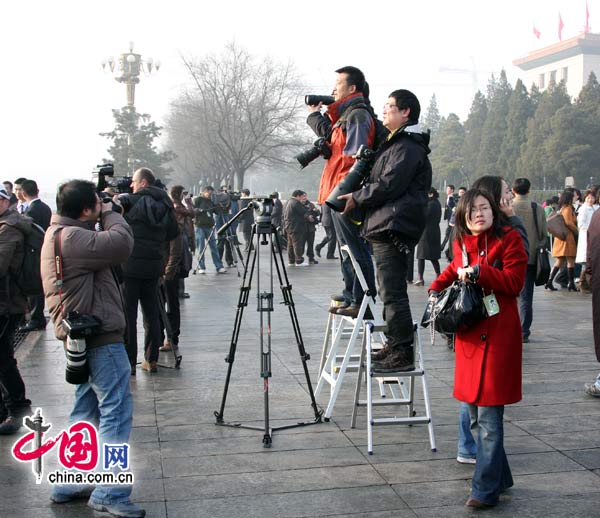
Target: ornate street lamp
[[128, 70]]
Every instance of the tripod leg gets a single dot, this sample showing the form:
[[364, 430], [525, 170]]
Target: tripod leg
[[286, 290], [242, 303]]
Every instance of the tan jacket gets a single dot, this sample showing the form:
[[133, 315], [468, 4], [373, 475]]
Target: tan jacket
[[89, 286]]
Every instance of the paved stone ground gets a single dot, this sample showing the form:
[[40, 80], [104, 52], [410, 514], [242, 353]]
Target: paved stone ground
[[185, 466]]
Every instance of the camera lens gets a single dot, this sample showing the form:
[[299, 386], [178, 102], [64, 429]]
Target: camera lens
[[77, 370]]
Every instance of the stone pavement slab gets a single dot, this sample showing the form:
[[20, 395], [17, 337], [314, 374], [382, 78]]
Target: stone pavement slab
[[186, 466]]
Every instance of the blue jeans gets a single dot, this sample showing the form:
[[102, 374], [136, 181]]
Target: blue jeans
[[106, 402], [466, 444], [348, 233], [492, 473], [202, 234], [526, 300]]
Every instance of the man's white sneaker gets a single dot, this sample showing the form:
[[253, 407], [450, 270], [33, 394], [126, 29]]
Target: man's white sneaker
[[201, 271], [304, 263], [465, 460], [221, 270]]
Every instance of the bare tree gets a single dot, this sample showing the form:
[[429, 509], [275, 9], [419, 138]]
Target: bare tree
[[238, 112]]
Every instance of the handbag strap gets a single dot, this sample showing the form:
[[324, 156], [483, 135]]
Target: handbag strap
[[465, 257], [535, 221]]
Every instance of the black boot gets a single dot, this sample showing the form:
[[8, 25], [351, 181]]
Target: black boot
[[571, 274], [553, 273], [401, 359]]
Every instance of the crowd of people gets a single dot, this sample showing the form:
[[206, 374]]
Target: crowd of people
[[105, 254]]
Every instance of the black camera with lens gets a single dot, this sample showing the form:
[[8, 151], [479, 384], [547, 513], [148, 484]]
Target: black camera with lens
[[104, 176], [358, 173], [313, 100], [320, 148], [78, 327]]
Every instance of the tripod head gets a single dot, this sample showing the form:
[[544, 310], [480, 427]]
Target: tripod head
[[263, 206]]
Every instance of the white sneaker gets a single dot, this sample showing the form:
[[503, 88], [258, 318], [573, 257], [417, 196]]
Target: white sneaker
[[592, 389], [221, 270], [201, 271], [304, 263], [465, 460]]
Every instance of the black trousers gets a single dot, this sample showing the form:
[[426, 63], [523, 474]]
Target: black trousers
[[12, 387], [310, 245], [36, 306], [144, 291], [173, 310], [329, 240], [392, 266]]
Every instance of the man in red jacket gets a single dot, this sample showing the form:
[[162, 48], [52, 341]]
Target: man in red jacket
[[346, 125]]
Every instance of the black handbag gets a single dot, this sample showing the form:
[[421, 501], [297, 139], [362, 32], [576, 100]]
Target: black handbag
[[542, 255], [457, 307]]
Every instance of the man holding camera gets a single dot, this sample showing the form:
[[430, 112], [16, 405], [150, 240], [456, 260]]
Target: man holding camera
[[150, 213], [395, 199], [80, 288], [347, 124]]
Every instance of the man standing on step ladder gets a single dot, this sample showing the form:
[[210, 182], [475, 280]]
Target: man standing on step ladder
[[395, 198]]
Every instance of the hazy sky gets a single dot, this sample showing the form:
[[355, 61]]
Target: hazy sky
[[56, 98]]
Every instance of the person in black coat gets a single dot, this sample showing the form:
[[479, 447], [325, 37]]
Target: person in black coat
[[429, 245], [395, 201], [151, 215], [41, 214]]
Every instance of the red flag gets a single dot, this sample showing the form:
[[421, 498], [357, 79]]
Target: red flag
[[536, 33], [560, 26], [587, 18]]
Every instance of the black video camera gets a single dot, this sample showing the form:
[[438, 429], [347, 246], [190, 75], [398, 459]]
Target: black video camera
[[320, 148], [352, 181], [104, 176]]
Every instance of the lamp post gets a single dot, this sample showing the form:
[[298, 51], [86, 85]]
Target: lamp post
[[128, 70]]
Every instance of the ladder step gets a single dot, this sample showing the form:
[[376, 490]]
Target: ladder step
[[384, 402], [395, 375], [400, 420]]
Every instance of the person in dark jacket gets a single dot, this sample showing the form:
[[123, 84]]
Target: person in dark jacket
[[40, 213], [247, 219], [395, 201], [592, 266], [295, 218], [313, 221], [429, 248], [204, 210], [13, 403], [150, 214]]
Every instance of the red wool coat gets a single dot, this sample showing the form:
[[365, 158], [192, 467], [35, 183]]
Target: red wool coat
[[489, 355]]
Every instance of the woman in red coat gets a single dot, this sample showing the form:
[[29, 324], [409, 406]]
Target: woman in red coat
[[488, 355]]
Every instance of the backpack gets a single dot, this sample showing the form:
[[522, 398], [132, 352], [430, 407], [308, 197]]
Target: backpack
[[185, 265], [381, 132], [29, 277]]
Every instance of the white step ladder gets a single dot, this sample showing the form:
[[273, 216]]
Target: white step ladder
[[401, 387], [340, 352]]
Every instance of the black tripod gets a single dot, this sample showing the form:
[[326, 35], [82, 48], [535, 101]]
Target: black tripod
[[266, 235]]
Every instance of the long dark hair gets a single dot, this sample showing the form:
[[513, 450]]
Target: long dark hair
[[463, 209], [566, 199]]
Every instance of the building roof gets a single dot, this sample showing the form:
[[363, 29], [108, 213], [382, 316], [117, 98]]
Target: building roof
[[581, 44]]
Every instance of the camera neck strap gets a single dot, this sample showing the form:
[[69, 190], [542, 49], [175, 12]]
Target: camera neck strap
[[58, 266]]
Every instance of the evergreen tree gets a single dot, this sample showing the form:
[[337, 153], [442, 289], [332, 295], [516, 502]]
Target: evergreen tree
[[431, 120], [473, 128], [447, 157], [573, 144], [535, 162], [519, 112], [141, 151], [494, 129]]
